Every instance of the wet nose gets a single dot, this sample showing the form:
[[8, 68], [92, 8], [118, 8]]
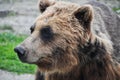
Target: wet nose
[[20, 51]]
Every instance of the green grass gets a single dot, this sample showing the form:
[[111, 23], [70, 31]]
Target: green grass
[[12, 13], [117, 10], [6, 27], [8, 59]]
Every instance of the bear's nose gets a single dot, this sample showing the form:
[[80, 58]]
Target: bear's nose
[[20, 51]]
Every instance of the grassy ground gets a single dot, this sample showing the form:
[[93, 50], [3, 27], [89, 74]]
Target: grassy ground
[[117, 10], [6, 27], [8, 59]]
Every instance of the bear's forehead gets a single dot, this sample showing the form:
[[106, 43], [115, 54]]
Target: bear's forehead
[[54, 13], [59, 9], [65, 7]]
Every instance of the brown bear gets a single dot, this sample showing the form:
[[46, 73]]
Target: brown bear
[[70, 42]]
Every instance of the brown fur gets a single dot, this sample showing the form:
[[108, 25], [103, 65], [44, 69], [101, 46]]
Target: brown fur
[[63, 46]]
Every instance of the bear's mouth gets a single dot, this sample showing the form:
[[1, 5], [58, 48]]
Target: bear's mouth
[[23, 58]]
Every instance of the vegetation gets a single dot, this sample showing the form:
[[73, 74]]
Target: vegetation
[[117, 10], [6, 27], [8, 59], [12, 13]]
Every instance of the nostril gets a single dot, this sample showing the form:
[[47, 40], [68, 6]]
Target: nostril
[[20, 51]]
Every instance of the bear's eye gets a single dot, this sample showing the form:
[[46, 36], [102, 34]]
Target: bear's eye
[[46, 33], [32, 28]]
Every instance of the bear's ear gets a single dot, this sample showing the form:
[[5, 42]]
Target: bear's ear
[[43, 4], [84, 14]]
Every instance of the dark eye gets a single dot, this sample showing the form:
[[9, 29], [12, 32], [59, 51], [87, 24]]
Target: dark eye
[[32, 28], [46, 33]]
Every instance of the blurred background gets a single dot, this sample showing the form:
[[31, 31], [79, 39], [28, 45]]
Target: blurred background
[[16, 17]]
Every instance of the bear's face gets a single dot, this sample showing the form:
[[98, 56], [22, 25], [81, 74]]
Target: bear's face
[[55, 36]]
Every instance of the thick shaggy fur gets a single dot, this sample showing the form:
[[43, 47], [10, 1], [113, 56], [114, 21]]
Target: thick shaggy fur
[[66, 44]]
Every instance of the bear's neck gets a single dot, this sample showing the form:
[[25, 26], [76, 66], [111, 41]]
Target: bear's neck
[[95, 64], [92, 71], [72, 75], [100, 70]]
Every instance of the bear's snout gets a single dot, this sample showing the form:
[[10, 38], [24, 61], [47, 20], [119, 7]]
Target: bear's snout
[[20, 52]]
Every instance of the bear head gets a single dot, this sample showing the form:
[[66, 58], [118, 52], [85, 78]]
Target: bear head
[[56, 35]]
